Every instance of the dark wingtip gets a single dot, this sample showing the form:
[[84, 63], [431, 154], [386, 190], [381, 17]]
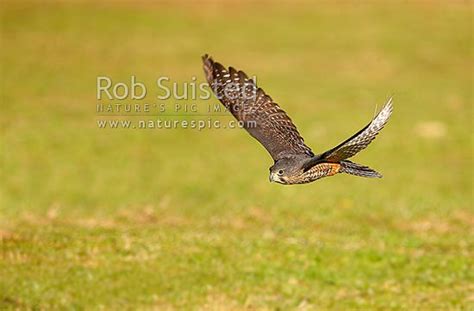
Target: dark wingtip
[[208, 65], [206, 58]]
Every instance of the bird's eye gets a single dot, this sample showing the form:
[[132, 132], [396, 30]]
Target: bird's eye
[[280, 172]]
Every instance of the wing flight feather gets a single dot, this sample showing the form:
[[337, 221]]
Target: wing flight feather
[[259, 114]]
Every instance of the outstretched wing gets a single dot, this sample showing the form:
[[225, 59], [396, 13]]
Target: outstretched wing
[[257, 112], [361, 139]]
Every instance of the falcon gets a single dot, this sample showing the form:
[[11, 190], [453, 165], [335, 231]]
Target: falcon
[[294, 161]]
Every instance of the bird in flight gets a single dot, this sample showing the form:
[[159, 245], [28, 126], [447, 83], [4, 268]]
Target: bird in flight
[[294, 162]]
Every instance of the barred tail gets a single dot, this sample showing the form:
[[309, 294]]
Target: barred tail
[[352, 168]]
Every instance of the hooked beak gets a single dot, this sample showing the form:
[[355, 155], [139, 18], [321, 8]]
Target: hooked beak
[[275, 178], [270, 177]]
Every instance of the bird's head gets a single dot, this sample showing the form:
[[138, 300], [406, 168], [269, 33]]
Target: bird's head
[[283, 169]]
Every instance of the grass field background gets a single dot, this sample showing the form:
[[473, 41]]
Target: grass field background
[[183, 219]]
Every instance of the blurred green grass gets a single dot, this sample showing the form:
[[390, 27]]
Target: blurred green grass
[[168, 219]]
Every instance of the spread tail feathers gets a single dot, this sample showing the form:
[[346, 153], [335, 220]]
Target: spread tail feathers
[[352, 168]]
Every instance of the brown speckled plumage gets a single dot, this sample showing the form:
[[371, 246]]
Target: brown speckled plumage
[[294, 161]]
